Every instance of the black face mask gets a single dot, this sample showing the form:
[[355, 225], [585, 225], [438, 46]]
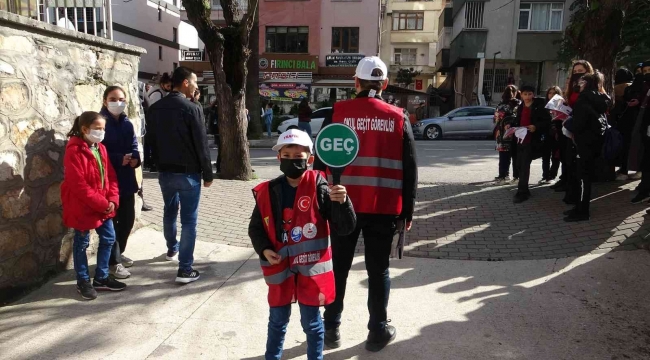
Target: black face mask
[[646, 77], [293, 168]]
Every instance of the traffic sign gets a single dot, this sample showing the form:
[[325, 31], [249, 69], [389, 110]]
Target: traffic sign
[[337, 145]]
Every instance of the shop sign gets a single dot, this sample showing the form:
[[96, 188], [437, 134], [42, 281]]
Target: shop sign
[[192, 55], [284, 91], [287, 62], [343, 60], [286, 76]]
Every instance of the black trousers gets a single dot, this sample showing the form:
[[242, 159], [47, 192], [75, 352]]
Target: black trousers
[[217, 140], [644, 186], [524, 158], [586, 166], [123, 224], [562, 147], [378, 232], [572, 178], [625, 151]]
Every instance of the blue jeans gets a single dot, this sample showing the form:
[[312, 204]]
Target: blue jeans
[[268, 126], [184, 191], [312, 325], [305, 126], [80, 243]]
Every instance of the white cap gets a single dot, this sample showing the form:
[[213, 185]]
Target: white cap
[[294, 137], [367, 65]]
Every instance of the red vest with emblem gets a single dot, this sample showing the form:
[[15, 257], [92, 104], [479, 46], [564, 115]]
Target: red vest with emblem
[[305, 271], [374, 180]]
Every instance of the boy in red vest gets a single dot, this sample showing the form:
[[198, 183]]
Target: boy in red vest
[[290, 232]]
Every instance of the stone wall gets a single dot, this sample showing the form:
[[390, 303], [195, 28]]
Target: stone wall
[[48, 76]]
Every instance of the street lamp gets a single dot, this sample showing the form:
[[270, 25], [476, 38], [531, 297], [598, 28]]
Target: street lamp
[[494, 73]]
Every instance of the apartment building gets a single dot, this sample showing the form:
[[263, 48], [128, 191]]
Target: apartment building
[[156, 26], [409, 39], [486, 45]]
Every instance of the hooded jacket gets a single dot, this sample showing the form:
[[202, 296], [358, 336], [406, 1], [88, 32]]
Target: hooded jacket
[[590, 122], [83, 197]]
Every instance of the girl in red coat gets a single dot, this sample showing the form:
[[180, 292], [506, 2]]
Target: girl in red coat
[[90, 196]]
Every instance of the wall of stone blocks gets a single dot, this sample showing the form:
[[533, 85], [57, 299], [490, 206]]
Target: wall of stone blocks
[[48, 76]]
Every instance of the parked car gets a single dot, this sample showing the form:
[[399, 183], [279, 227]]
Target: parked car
[[468, 121], [317, 118]]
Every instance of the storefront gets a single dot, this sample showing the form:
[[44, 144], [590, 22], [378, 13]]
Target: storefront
[[335, 81], [194, 59], [286, 79]]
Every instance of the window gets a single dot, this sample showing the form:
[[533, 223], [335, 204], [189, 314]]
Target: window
[[159, 52], [321, 113], [474, 15], [541, 16], [482, 112], [408, 21], [461, 112], [345, 40], [159, 14], [405, 56], [175, 35], [287, 39]]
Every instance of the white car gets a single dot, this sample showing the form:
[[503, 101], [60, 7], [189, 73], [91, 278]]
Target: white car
[[317, 118]]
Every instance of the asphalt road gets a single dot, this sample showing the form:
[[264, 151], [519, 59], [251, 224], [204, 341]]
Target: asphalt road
[[443, 161]]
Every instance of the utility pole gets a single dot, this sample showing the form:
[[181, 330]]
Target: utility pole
[[494, 74]]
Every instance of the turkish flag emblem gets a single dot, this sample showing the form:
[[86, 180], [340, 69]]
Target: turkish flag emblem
[[304, 203]]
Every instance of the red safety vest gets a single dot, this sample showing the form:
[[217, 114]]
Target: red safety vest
[[374, 180], [305, 273]]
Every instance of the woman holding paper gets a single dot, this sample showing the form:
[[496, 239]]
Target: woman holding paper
[[504, 116]]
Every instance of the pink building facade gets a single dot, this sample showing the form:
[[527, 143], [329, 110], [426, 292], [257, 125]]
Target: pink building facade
[[311, 48]]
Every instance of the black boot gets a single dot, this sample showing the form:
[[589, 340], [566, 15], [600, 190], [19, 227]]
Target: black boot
[[576, 216], [378, 340], [333, 338]]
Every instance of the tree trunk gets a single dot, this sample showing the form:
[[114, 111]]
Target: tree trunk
[[252, 87], [228, 50]]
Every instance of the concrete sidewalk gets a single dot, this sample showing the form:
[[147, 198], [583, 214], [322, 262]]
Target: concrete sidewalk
[[593, 307]]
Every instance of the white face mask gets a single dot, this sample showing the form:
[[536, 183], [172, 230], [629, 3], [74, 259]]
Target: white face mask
[[96, 136], [116, 108]]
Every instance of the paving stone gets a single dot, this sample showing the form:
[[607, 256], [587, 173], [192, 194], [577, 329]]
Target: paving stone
[[471, 222]]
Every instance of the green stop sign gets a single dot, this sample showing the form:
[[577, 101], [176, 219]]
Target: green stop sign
[[337, 145]]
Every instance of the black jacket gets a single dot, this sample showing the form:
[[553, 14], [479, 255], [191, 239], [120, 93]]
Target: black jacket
[[341, 217], [178, 138], [540, 117], [590, 122], [409, 163]]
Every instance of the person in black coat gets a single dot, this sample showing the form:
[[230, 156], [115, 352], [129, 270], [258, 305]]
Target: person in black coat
[[533, 115], [588, 127]]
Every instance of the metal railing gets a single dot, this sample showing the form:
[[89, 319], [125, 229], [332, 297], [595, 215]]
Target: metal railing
[[93, 17]]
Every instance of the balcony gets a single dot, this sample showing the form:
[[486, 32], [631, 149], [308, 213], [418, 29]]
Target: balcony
[[442, 60], [467, 45], [94, 18], [423, 68], [407, 5], [406, 36], [444, 38]]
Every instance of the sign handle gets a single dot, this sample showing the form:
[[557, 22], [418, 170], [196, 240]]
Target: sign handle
[[336, 175]]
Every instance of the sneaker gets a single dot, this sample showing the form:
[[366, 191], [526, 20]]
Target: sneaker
[[119, 271], [514, 180], [542, 182], [109, 284], [126, 261], [639, 198], [333, 338], [558, 184], [187, 277], [621, 177], [378, 340], [570, 212], [172, 256], [86, 289], [636, 176], [146, 207]]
